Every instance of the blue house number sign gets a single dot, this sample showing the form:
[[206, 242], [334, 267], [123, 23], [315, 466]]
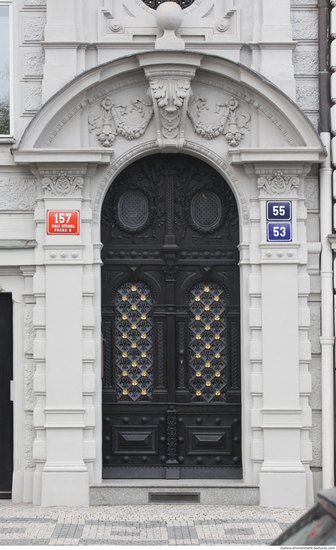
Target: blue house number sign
[[279, 221]]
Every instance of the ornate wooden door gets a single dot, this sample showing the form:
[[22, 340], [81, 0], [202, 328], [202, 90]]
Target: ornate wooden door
[[171, 329]]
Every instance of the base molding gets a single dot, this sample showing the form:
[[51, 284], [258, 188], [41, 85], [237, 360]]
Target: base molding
[[133, 491], [283, 490]]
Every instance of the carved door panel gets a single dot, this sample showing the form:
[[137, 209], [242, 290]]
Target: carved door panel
[[6, 405], [171, 328]]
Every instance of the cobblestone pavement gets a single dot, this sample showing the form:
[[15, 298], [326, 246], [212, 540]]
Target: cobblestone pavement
[[151, 525]]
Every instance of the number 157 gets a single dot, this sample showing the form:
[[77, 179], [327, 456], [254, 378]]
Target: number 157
[[60, 217]]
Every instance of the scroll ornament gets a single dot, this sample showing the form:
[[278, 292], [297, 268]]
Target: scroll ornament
[[62, 183], [230, 125], [278, 183], [110, 124]]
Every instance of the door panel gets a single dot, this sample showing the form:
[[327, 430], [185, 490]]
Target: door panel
[[6, 406], [171, 328]]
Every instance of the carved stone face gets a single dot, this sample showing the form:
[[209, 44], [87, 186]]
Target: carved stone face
[[155, 3]]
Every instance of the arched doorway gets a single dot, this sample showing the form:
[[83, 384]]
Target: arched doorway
[[171, 327]]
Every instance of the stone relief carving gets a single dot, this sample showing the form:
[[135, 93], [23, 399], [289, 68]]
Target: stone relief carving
[[249, 100], [305, 25], [33, 65], [230, 124], [311, 192], [62, 183], [34, 29], [30, 434], [110, 124], [29, 331], [83, 104], [278, 183], [17, 194], [32, 98], [29, 387], [169, 95]]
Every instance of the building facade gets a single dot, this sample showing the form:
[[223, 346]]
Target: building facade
[[166, 251]]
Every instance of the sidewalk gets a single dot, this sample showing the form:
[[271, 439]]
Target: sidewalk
[[27, 525]]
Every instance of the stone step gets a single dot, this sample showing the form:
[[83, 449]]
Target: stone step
[[158, 491]]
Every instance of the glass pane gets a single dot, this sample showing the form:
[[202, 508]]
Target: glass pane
[[4, 70]]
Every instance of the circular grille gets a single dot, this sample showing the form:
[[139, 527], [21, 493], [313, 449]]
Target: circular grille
[[206, 210], [133, 210], [155, 3]]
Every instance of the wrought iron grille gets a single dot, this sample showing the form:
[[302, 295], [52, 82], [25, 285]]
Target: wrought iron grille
[[134, 343], [155, 3], [206, 210], [207, 343], [133, 210]]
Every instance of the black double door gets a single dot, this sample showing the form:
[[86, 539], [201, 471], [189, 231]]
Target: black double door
[[6, 406], [171, 326]]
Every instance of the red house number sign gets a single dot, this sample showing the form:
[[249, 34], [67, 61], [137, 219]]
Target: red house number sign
[[62, 222]]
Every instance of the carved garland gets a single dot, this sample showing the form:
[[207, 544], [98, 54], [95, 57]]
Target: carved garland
[[250, 101], [230, 125], [110, 125]]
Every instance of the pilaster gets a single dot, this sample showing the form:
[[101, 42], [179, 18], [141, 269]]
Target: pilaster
[[64, 349], [280, 349]]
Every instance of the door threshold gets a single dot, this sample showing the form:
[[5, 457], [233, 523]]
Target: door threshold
[[114, 492], [172, 483]]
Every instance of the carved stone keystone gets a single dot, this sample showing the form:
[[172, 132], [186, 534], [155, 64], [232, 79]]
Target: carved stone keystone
[[170, 91]]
